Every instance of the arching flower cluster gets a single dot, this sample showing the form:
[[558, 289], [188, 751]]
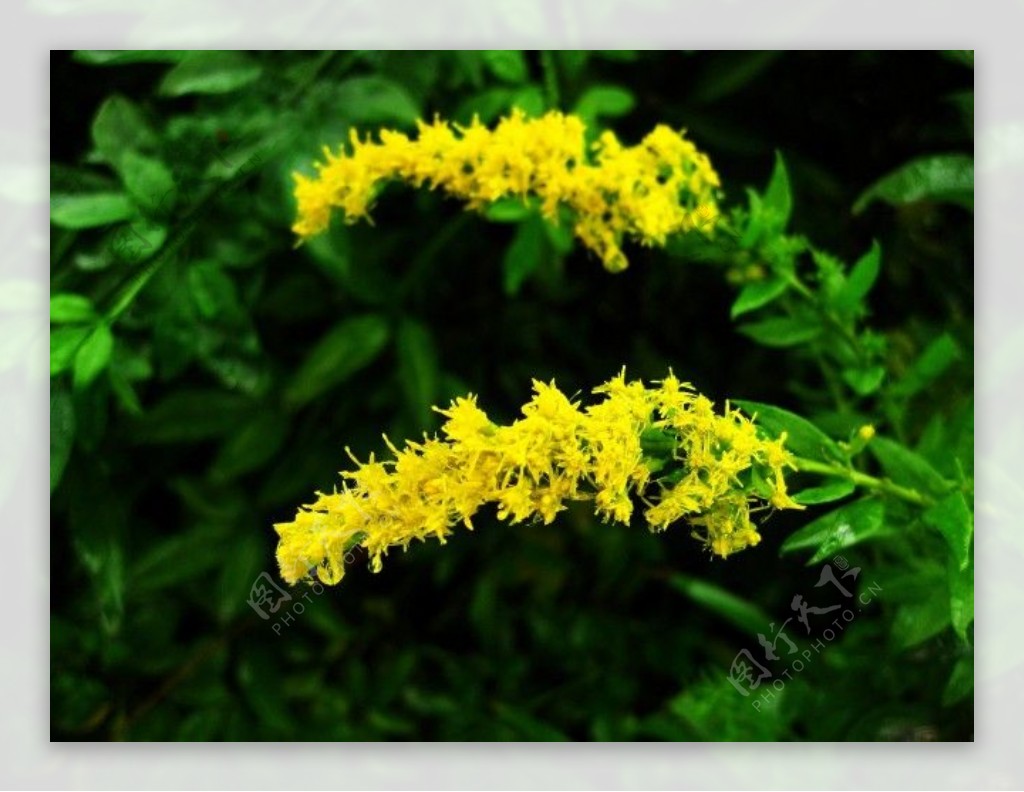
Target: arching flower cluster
[[710, 469], [647, 192]]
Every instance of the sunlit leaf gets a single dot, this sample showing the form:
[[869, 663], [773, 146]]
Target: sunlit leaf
[[907, 467], [783, 331], [120, 128], [758, 294], [67, 308], [826, 493], [802, 437], [777, 201], [210, 72], [944, 177], [93, 355], [952, 517], [508, 65], [841, 528], [860, 280], [605, 100], [376, 100], [90, 210]]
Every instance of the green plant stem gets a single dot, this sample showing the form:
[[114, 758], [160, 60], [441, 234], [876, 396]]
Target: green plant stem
[[882, 486], [550, 70], [808, 294]]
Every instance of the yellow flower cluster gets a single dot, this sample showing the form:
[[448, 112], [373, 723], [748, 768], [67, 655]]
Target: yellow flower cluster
[[647, 192], [664, 444]]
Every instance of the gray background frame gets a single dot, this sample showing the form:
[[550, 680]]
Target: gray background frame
[[30, 29]]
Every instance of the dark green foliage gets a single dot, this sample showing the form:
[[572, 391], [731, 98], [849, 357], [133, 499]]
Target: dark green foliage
[[207, 376]]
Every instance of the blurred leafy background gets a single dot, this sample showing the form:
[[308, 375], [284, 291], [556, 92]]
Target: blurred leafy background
[[206, 376]]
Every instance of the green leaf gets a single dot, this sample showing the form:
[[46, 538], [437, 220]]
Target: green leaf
[[864, 381], [376, 100], [507, 65], [938, 356], [744, 615], [251, 446], [947, 441], [560, 237], [952, 517], [119, 57], [605, 100], [93, 356], [758, 294], [571, 63], [658, 442], [62, 432], [508, 210], [961, 598], [487, 104], [241, 567], [906, 467], [860, 280], [191, 416], [64, 345], [777, 202], [830, 274], [841, 528], [133, 243], [418, 369], [782, 331], [916, 622], [530, 99], [91, 210], [148, 181], [944, 177], [120, 128], [524, 255], [826, 493], [67, 308], [350, 346], [122, 388], [755, 221], [961, 682], [213, 292], [729, 72], [802, 437], [210, 72]]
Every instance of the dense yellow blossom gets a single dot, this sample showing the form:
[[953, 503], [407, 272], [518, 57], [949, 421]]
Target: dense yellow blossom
[[646, 192], [664, 445]]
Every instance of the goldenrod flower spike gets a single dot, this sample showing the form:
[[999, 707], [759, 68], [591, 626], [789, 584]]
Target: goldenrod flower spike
[[647, 192], [665, 445]]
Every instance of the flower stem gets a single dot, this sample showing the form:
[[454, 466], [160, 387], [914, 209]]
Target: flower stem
[[882, 486]]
